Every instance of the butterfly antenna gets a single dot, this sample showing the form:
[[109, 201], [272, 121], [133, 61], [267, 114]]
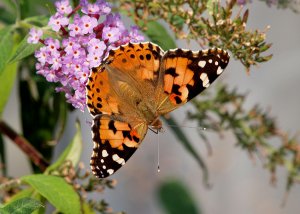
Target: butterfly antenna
[[194, 127], [158, 168]]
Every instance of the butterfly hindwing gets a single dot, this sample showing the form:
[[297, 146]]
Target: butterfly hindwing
[[187, 73], [114, 143]]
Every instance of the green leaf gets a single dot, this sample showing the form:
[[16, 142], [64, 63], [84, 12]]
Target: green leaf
[[71, 153], [22, 194], [32, 194], [159, 35], [9, 6], [176, 20], [6, 46], [7, 79], [39, 21], [188, 146], [33, 7], [57, 191], [176, 199], [6, 16], [24, 49], [21, 206]]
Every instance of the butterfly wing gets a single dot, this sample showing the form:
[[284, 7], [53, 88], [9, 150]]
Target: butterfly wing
[[128, 74], [139, 62], [100, 98], [114, 143], [185, 74], [115, 94]]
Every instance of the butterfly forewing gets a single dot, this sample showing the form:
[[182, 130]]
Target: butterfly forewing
[[186, 73], [101, 99], [139, 62]]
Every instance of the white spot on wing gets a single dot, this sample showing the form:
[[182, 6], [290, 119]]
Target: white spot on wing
[[210, 60], [205, 83], [220, 70], [102, 161], [119, 160], [110, 171], [104, 153], [216, 63], [204, 79], [104, 167], [201, 64], [203, 76]]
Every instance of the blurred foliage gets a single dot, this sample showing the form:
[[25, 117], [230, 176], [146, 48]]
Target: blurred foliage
[[173, 192], [207, 22], [255, 130], [66, 183], [294, 5]]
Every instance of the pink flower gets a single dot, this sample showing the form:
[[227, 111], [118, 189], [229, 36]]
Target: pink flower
[[69, 44], [57, 21], [112, 34], [42, 55], [94, 59], [63, 7], [34, 35], [95, 45], [84, 41], [88, 23], [52, 45], [134, 35]]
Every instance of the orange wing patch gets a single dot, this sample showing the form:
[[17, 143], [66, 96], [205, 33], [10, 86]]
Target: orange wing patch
[[141, 61], [100, 99], [117, 133]]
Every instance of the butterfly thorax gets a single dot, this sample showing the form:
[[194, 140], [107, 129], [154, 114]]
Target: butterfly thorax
[[156, 124], [136, 99]]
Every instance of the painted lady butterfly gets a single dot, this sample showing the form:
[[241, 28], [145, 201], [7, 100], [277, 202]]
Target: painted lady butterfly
[[135, 85]]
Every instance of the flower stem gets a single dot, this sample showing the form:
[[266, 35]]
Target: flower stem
[[24, 145], [74, 10]]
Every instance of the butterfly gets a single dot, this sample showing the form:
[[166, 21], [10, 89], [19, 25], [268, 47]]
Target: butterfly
[[135, 85]]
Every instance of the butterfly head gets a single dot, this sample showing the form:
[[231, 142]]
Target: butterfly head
[[156, 124]]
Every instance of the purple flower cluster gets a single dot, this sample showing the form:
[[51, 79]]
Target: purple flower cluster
[[243, 2], [85, 41]]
